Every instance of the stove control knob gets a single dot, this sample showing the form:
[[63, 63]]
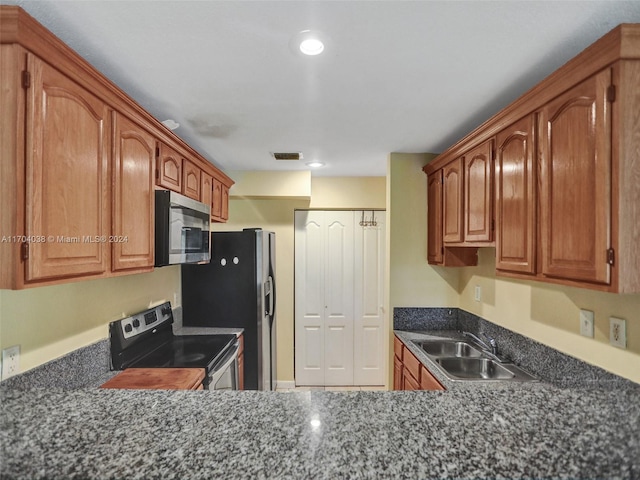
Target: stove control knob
[[128, 328], [166, 310], [136, 323]]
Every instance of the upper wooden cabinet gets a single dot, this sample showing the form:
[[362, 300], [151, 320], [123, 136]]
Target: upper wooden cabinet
[[435, 247], [78, 161], [67, 184], [133, 196], [467, 198], [515, 196], [575, 181], [169, 174], [206, 188], [453, 202], [437, 252], [567, 195], [219, 202], [190, 180], [478, 194]]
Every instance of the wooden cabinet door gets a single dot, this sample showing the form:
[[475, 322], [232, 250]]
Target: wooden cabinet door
[[133, 196], [224, 203], [428, 381], [478, 194], [434, 218], [409, 383], [190, 180], [169, 165], [216, 199], [452, 201], [397, 373], [67, 185], [206, 188], [575, 181], [515, 175]]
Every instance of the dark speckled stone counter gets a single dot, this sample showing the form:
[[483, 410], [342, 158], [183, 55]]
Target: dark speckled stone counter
[[55, 424], [543, 432]]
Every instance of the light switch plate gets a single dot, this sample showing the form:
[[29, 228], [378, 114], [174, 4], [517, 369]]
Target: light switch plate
[[478, 293], [586, 323], [618, 332]]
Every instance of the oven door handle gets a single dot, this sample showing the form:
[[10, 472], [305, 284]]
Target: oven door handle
[[222, 365]]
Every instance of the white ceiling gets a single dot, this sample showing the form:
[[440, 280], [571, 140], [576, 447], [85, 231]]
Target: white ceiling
[[396, 76]]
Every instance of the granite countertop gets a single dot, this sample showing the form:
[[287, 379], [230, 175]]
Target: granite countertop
[[55, 424], [543, 432]]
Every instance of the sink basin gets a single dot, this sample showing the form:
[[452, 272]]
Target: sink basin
[[469, 368], [447, 348]]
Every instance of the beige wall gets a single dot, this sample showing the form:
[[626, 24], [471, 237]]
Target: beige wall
[[277, 215], [48, 322], [413, 283]]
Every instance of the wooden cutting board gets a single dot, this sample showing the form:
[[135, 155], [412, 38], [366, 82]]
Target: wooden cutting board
[[158, 378]]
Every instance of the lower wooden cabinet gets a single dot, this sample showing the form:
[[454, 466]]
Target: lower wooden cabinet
[[408, 372]]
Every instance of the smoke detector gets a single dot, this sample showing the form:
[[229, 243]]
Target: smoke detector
[[287, 155]]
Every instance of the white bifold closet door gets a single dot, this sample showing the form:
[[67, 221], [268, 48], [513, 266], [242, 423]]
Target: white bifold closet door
[[338, 299]]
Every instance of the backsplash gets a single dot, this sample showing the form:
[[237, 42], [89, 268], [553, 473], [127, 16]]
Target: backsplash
[[84, 367], [545, 362]]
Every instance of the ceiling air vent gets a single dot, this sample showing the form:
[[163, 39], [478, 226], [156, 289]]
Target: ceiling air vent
[[287, 155]]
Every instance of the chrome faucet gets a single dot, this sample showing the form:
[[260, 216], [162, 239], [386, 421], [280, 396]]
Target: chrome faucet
[[492, 346]]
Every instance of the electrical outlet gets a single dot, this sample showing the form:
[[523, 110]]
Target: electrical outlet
[[10, 361], [618, 332], [586, 323], [478, 293]]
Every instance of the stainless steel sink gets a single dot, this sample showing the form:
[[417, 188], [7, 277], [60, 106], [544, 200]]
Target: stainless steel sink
[[448, 348], [460, 360], [474, 368]]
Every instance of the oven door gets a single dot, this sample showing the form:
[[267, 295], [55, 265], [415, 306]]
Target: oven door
[[224, 373]]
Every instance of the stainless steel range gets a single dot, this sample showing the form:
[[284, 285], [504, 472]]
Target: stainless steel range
[[146, 340]]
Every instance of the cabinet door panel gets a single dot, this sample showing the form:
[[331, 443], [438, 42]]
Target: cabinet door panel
[[133, 196], [478, 195], [190, 180], [397, 373], [576, 182], [428, 381], [516, 198], [66, 177], [452, 202], [205, 188], [169, 169], [434, 221], [224, 203], [216, 199]]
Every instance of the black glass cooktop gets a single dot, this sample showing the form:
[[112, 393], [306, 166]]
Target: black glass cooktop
[[187, 351]]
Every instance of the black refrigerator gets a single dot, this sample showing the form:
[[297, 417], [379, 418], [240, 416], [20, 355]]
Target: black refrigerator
[[237, 289]]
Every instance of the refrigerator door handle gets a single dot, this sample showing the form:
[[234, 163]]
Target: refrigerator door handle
[[269, 293]]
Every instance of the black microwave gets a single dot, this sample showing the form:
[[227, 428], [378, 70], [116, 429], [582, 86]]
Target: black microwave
[[182, 229]]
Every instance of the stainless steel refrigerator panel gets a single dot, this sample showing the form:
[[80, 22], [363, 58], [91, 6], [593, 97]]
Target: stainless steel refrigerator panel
[[237, 289]]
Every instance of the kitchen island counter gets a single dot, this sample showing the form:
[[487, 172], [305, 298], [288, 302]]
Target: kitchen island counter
[[478, 433]]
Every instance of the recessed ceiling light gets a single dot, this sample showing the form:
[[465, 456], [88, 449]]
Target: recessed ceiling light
[[308, 42], [311, 46], [315, 164]]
